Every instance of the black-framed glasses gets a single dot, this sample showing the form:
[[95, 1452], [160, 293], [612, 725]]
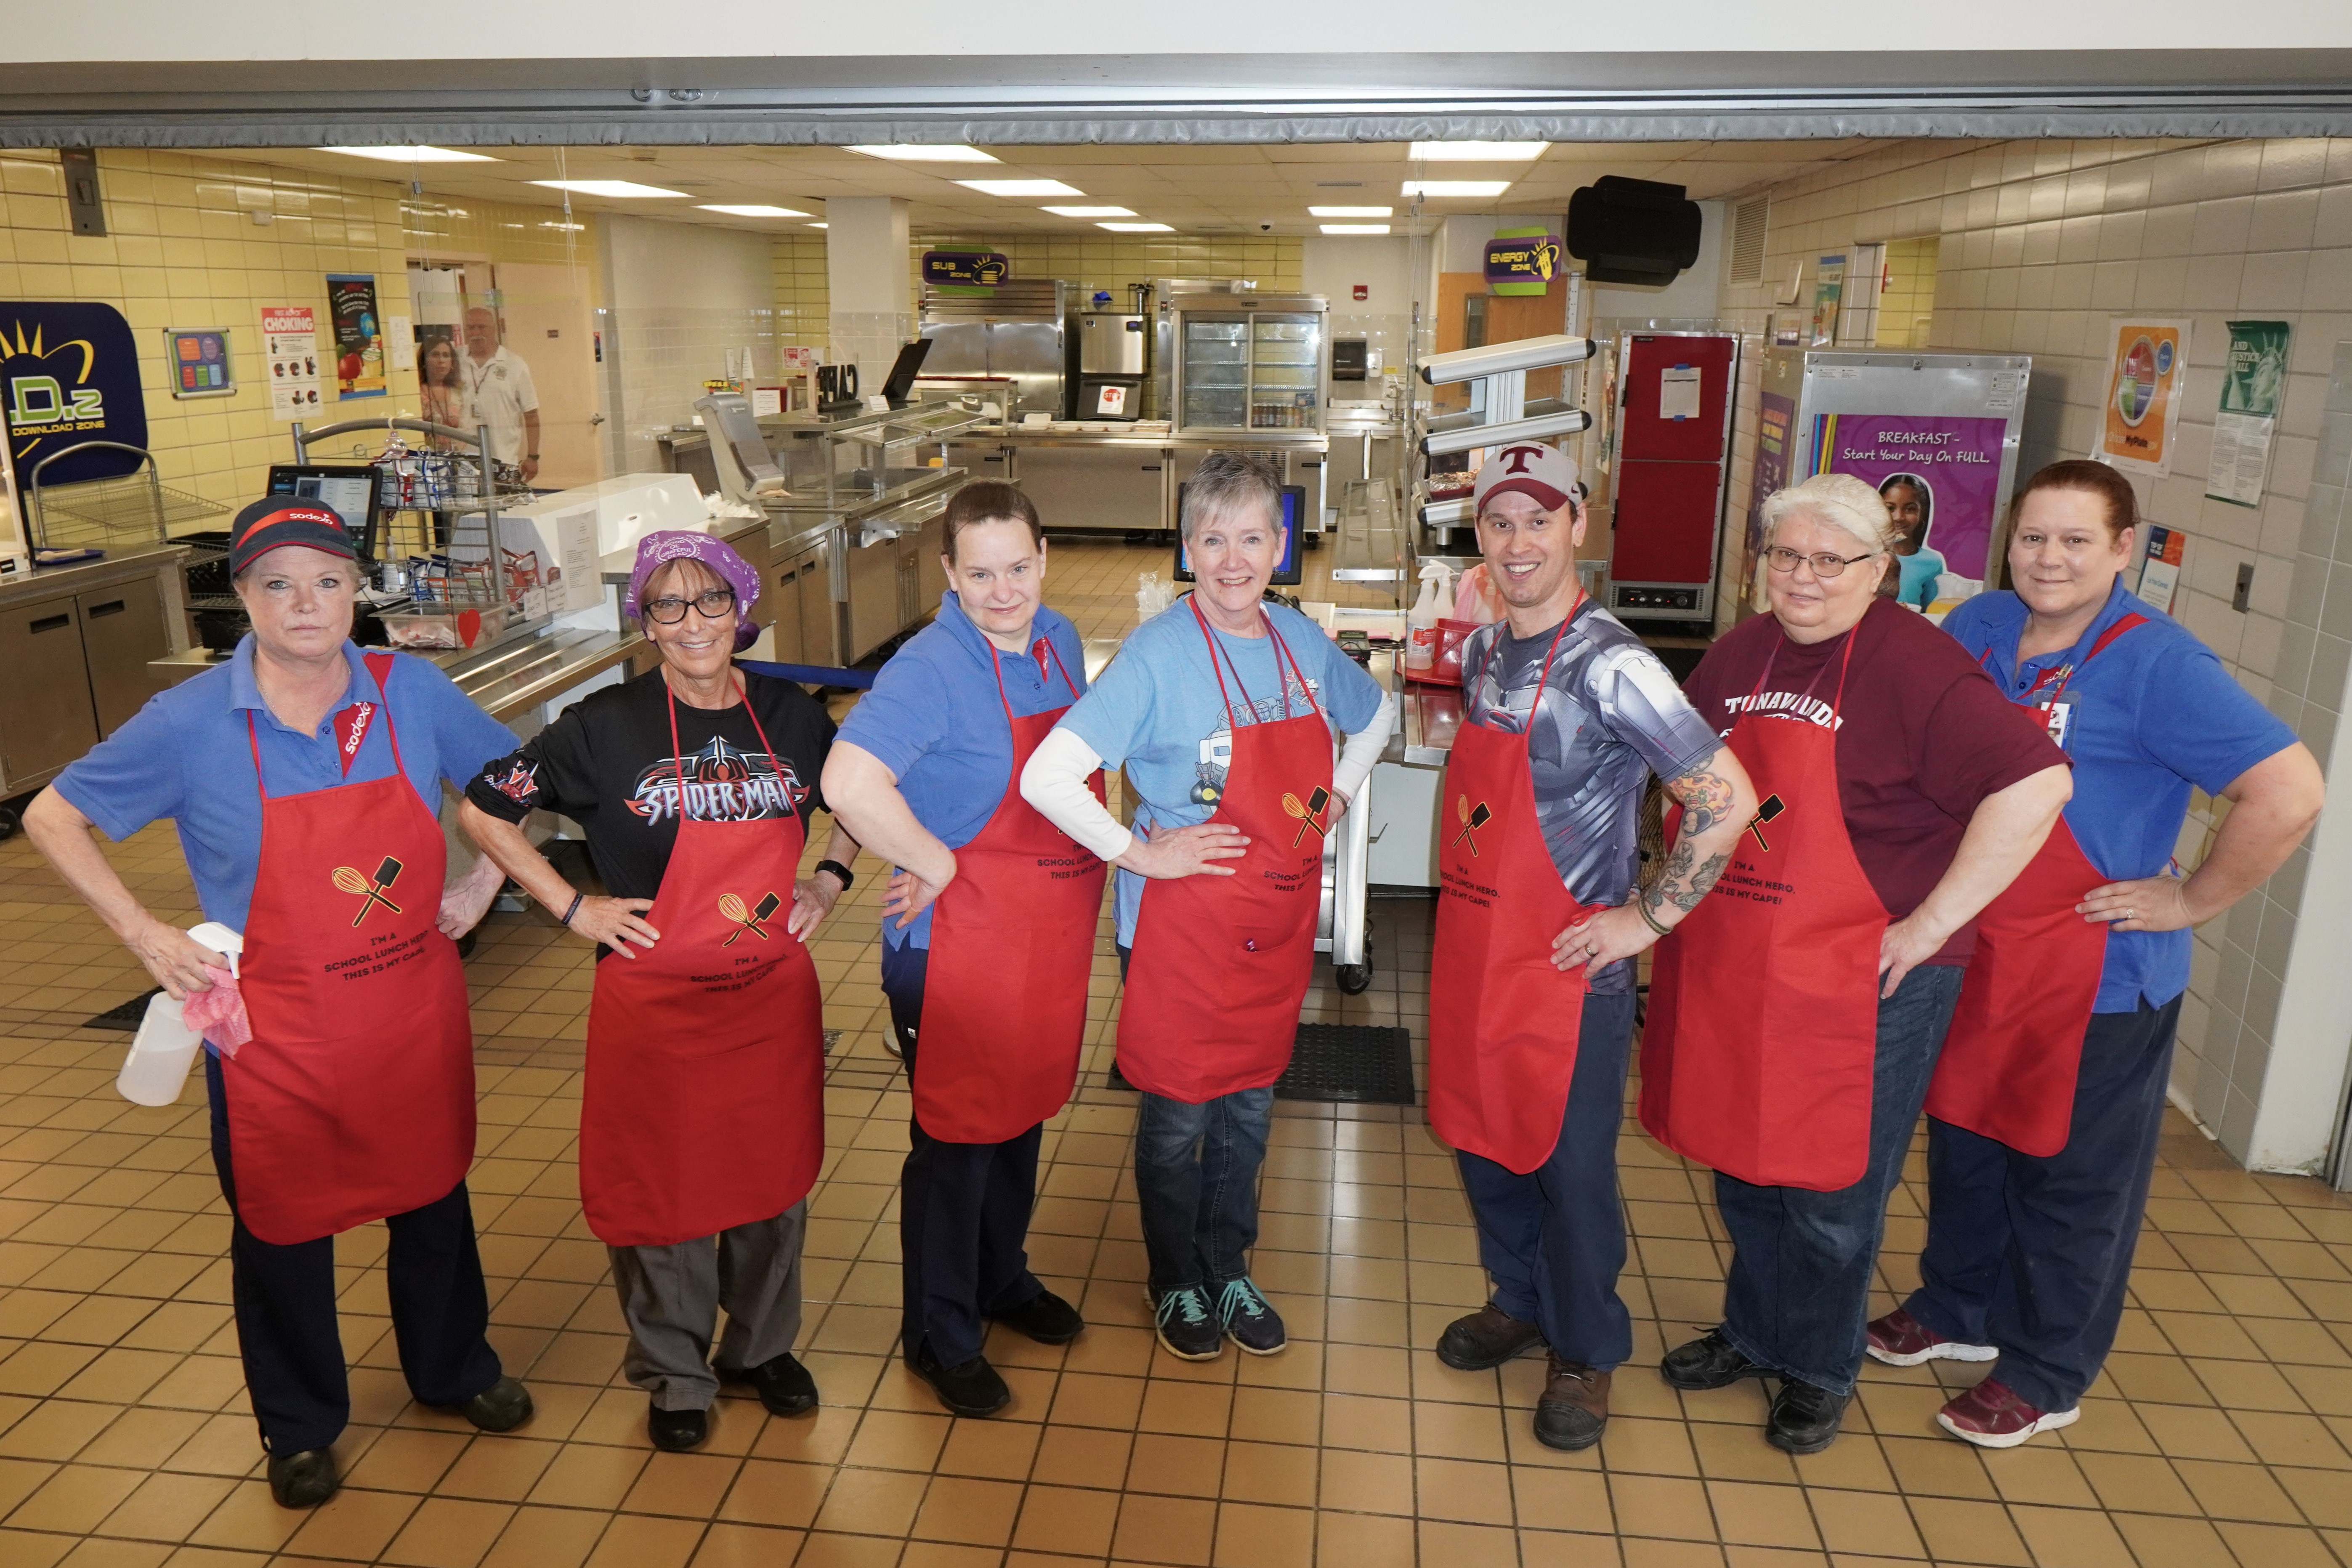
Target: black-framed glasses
[[709, 604], [1780, 558]]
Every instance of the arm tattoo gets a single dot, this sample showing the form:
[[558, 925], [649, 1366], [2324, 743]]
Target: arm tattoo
[[1682, 887], [1705, 796]]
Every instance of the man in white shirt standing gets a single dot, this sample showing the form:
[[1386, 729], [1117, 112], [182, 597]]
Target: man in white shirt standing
[[500, 393]]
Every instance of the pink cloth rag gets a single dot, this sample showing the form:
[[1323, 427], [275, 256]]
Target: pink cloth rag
[[219, 1013]]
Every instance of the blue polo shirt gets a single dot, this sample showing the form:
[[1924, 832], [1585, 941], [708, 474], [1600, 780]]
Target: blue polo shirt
[[933, 719], [184, 755], [2153, 714]]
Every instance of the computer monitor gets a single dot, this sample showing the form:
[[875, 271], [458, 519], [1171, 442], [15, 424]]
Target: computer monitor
[[1294, 515], [903, 371], [350, 491]]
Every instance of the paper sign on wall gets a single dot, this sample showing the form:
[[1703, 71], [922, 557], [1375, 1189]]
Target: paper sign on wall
[[1828, 289], [359, 334], [2254, 386], [289, 343], [2160, 567], [2147, 362]]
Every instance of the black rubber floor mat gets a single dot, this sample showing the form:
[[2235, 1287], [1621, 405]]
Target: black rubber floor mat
[[1353, 1064], [128, 1016]]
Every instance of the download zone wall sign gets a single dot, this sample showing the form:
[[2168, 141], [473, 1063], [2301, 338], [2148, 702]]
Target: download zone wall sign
[[69, 372]]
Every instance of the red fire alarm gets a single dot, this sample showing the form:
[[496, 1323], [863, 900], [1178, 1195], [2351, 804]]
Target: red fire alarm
[[1363, 291]]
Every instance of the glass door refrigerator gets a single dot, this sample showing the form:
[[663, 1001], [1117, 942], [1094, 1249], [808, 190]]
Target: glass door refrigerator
[[1247, 366]]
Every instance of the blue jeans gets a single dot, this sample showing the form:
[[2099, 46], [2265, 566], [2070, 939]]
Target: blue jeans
[[1553, 1240], [2032, 1256], [1196, 1181], [1797, 1300]]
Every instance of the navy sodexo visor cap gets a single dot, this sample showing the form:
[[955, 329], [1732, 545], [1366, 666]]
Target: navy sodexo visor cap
[[283, 519]]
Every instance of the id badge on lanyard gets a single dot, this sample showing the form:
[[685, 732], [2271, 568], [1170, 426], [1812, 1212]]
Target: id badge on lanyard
[[2058, 715]]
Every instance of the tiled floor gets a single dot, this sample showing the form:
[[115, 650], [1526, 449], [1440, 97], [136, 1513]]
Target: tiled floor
[[2223, 1435]]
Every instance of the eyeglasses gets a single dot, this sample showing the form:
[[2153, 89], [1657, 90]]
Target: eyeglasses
[[709, 604], [1780, 558]]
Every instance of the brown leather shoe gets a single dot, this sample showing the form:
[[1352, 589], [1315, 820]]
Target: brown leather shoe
[[1487, 1337], [1574, 1408]]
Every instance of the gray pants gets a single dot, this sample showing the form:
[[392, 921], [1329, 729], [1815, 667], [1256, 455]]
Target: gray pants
[[671, 1296]]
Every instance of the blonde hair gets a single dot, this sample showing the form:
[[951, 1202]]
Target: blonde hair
[[1840, 500]]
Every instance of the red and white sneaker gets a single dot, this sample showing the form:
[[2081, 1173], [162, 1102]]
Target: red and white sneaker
[[1990, 1416], [1899, 1339]]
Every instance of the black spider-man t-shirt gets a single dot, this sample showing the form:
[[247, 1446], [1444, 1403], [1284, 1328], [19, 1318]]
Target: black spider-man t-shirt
[[607, 763]]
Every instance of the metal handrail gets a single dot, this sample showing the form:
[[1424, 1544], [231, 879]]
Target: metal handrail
[[40, 510]]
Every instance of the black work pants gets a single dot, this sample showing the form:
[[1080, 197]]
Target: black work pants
[[285, 1305], [963, 1208]]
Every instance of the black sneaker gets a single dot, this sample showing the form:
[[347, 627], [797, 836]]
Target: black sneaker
[[784, 1385], [305, 1479], [1187, 1329], [1708, 1361], [1248, 1319], [972, 1388], [1045, 1318], [1804, 1417], [675, 1431]]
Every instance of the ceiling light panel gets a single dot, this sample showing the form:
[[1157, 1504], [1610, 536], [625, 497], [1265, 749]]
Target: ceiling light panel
[[1090, 212], [1020, 187], [412, 155], [614, 188], [1443, 188], [1352, 212], [1138, 227], [916, 152], [1354, 228], [1478, 152], [749, 211]]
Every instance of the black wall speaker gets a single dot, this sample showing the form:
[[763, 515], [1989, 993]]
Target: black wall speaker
[[1632, 231]]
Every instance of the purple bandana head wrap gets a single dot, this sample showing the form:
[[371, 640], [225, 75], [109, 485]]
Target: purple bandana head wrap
[[655, 551]]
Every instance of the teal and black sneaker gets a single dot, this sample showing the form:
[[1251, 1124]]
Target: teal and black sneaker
[[1185, 1325], [1248, 1319]]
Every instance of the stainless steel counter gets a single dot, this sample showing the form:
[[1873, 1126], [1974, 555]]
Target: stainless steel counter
[[77, 645]]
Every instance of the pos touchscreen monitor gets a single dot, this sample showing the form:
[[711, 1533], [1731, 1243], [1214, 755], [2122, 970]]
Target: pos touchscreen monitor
[[348, 489], [1286, 569]]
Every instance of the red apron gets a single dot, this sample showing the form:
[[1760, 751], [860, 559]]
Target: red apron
[[2008, 1066], [704, 1105], [355, 1100], [1502, 1021], [1220, 965], [1013, 941], [1762, 1034]]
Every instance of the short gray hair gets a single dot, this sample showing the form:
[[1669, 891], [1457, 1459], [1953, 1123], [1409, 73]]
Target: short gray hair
[[1839, 500], [1227, 483]]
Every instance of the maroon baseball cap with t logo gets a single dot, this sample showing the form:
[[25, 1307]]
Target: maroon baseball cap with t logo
[[1531, 469], [284, 520]]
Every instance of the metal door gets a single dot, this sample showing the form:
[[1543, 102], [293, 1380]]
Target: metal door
[[874, 598], [46, 716], [784, 596], [122, 628]]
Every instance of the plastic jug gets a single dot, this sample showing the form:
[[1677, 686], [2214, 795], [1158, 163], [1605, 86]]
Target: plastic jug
[[1421, 621], [156, 1068]]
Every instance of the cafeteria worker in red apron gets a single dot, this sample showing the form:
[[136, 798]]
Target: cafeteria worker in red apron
[[1796, 1015], [988, 935], [702, 1116], [2039, 1159], [1538, 919], [304, 777], [1222, 708]]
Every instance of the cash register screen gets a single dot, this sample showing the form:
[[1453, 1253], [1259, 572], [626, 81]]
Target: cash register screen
[[1286, 569], [349, 490]]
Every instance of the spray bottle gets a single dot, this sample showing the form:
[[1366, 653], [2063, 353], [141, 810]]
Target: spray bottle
[[1421, 621]]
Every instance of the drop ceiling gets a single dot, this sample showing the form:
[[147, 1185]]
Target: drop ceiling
[[1194, 188]]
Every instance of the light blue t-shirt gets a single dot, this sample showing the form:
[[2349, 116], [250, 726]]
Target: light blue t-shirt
[[1157, 711]]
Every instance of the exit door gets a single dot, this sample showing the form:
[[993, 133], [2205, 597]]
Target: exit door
[[544, 309], [1672, 456]]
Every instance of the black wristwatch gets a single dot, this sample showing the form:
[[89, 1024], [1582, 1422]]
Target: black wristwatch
[[839, 870]]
